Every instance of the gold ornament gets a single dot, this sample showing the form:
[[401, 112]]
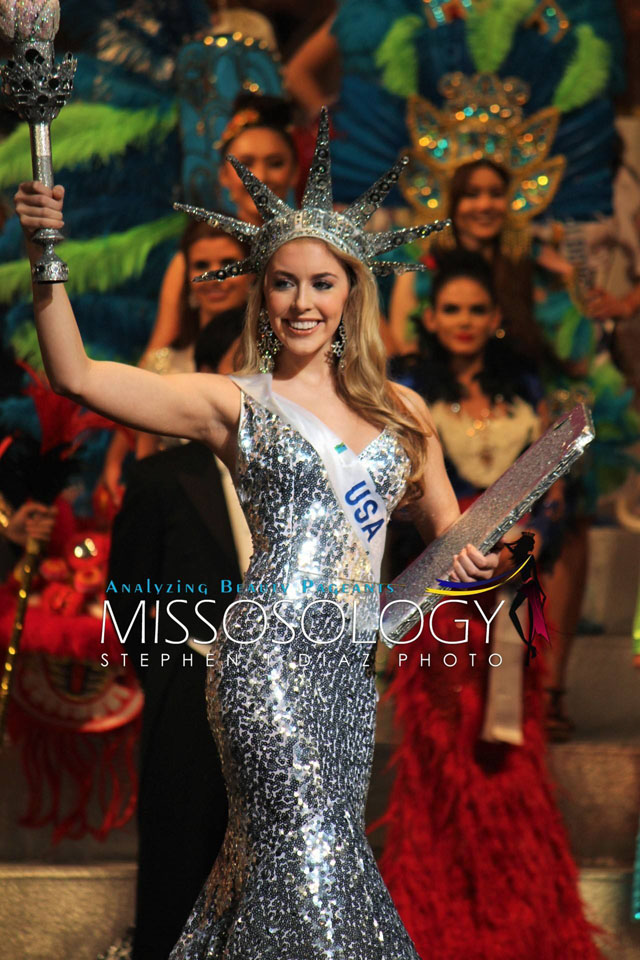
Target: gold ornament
[[484, 121]]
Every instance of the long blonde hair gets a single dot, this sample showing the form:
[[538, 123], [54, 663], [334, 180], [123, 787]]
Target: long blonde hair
[[361, 381]]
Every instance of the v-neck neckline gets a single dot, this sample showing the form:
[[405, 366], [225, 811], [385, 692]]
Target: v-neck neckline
[[310, 413]]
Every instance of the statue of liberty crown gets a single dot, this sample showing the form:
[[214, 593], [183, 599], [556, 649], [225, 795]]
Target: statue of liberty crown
[[316, 218]]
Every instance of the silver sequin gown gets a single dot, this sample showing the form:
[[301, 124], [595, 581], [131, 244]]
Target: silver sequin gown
[[294, 720]]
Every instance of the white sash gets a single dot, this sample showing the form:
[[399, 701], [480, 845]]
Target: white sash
[[352, 484]]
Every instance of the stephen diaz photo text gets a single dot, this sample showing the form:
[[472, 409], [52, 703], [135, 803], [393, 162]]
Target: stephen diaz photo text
[[181, 621]]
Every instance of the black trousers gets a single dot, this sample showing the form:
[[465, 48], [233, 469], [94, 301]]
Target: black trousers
[[182, 812]]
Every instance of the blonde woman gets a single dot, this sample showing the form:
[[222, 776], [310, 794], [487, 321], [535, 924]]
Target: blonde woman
[[322, 448]]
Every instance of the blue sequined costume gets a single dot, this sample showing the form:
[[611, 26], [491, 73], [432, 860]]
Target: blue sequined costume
[[294, 719]]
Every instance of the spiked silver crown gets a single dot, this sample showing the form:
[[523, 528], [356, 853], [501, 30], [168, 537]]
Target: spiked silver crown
[[316, 218]]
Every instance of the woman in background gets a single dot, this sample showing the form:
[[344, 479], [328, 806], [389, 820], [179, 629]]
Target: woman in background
[[534, 294], [258, 135], [531, 288], [202, 248], [476, 856]]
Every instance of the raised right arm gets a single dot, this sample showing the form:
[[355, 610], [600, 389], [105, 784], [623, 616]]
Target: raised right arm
[[306, 73], [201, 407]]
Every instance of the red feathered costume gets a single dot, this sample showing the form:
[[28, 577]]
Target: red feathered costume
[[75, 722], [476, 856]]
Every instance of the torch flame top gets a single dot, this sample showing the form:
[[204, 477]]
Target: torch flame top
[[24, 20]]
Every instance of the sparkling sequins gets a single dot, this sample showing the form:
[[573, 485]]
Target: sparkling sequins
[[29, 19], [483, 118], [37, 89], [294, 719]]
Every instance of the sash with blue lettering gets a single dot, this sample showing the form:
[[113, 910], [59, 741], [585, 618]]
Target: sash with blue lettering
[[351, 482]]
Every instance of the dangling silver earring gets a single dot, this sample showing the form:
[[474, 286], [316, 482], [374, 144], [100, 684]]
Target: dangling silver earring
[[268, 343], [339, 344]]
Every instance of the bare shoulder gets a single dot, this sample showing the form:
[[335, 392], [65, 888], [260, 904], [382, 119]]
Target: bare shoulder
[[414, 403], [223, 394]]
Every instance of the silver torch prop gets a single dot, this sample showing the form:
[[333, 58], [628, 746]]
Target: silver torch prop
[[36, 89]]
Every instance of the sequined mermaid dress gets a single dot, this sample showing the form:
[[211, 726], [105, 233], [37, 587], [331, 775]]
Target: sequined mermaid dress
[[294, 717]]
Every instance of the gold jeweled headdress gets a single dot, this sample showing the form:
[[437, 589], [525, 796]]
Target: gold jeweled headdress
[[484, 120], [239, 121], [316, 218]]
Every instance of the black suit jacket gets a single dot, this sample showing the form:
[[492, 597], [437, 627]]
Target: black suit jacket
[[173, 526]]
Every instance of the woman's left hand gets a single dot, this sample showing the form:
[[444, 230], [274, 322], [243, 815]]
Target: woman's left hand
[[470, 565]]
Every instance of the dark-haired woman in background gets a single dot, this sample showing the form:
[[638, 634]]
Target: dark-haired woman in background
[[202, 248], [476, 857], [259, 135], [533, 290], [524, 281], [471, 376], [205, 248]]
